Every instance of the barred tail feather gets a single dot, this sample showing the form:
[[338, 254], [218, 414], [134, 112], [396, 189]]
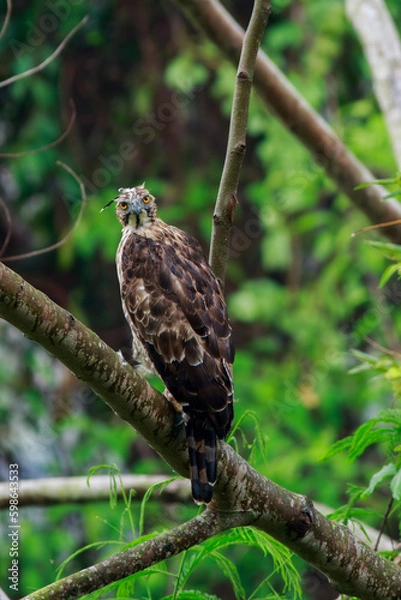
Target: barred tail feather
[[201, 440]]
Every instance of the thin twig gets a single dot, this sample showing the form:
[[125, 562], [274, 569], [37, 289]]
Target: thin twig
[[7, 18], [70, 232], [227, 195], [383, 523], [8, 220], [48, 60], [376, 226], [383, 349], [51, 145]]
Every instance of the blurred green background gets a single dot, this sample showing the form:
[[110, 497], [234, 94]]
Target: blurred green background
[[152, 99]]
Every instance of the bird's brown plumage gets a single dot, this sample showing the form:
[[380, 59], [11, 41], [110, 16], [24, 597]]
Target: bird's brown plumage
[[177, 314]]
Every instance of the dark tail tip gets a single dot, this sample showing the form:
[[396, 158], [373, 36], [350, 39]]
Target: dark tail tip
[[201, 441], [201, 492]]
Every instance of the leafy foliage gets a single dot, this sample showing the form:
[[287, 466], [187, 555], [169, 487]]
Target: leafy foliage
[[152, 103], [191, 561], [383, 429]]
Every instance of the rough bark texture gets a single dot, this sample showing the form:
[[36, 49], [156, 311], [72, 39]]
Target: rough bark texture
[[382, 47], [131, 561], [75, 490], [236, 146], [242, 496], [297, 116]]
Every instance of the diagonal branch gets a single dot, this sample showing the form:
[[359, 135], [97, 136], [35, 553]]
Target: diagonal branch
[[227, 195], [284, 101], [65, 133], [48, 60], [131, 561], [56, 245], [91, 360], [382, 46], [6, 19], [242, 496]]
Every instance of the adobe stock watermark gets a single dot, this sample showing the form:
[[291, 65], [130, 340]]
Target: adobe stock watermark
[[255, 225], [294, 393], [145, 129], [48, 22], [13, 527], [382, 301]]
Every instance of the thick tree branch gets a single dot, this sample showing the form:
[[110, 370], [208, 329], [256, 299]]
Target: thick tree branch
[[242, 496], [227, 195], [74, 490], [297, 116], [382, 47]]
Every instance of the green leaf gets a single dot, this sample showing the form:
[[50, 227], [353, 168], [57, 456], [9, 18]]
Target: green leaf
[[259, 438], [390, 181], [280, 555], [395, 485], [191, 595], [361, 186], [366, 436], [230, 571], [160, 486], [337, 447], [96, 545], [392, 195], [393, 373], [391, 415], [378, 477], [389, 272], [114, 472], [363, 356], [185, 72], [392, 251]]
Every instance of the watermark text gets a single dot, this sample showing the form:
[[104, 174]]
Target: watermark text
[[13, 527]]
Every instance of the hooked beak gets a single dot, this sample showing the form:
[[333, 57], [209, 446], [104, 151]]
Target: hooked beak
[[136, 205]]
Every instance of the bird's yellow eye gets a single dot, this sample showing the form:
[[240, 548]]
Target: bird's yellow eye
[[146, 199], [123, 205]]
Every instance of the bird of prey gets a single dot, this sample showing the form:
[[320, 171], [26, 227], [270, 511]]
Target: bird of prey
[[178, 318]]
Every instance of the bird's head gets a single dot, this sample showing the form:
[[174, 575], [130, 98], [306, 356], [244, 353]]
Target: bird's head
[[135, 207]]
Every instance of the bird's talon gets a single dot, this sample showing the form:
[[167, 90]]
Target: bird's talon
[[180, 419], [122, 358]]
